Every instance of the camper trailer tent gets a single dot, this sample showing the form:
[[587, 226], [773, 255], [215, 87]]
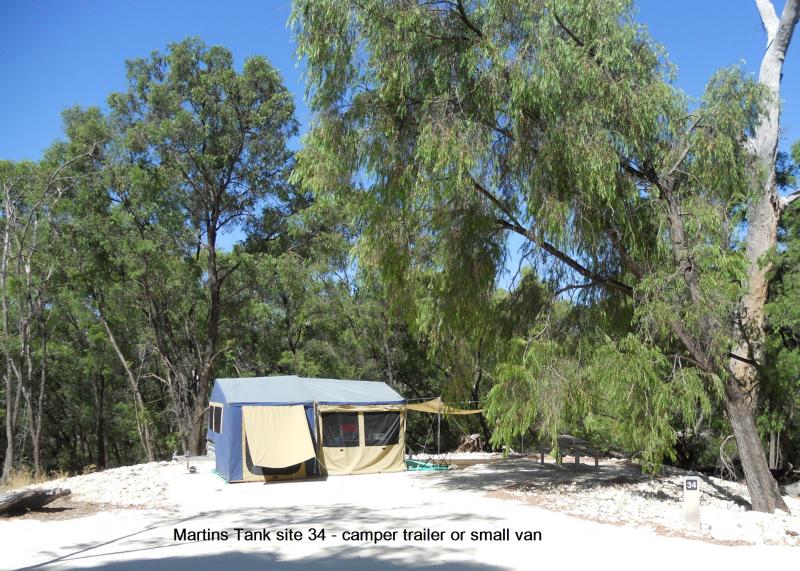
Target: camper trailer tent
[[266, 428]]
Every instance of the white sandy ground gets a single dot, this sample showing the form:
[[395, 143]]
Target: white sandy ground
[[167, 497]]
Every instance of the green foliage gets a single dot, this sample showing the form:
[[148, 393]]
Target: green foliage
[[443, 134], [215, 130], [536, 389], [780, 388], [643, 395], [139, 297], [557, 122], [617, 391]]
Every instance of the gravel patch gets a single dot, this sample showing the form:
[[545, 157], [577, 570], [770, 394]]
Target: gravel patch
[[138, 486], [619, 494]]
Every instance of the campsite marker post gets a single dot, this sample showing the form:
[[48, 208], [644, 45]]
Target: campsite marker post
[[691, 502]]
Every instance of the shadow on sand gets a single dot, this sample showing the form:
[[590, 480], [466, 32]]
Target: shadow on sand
[[504, 474], [529, 474], [235, 560], [158, 537]]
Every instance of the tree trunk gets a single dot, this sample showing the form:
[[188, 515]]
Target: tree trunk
[[142, 424], [38, 410], [12, 395], [11, 424], [100, 430], [197, 425], [765, 211], [36, 449], [773, 450], [21, 502], [8, 459], [117, 453], [764, 493], [762, 230], [476, 395], [197, 446]]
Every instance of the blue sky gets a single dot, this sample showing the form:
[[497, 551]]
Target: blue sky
[[55, 54]]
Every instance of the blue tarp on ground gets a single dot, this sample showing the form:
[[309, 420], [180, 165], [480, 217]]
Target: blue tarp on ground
[[277, 391]]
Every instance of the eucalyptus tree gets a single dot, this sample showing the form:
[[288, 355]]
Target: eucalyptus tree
[[765, 206], [306, 310], [452, 125], [99, 250], [215, 140], [29, 262]]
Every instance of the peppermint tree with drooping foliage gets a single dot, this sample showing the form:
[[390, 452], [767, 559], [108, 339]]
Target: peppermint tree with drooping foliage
[[453, 125]]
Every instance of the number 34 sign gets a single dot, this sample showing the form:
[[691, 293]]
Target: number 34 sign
[[691, 502]]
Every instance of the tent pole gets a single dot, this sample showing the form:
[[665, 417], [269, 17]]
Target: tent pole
[[439, 434], [318, 434]]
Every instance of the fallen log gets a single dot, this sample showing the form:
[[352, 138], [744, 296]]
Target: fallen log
[[15, 503]]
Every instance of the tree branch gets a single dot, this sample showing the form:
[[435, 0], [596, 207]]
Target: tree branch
[[686, 148], [511, 223], [784, 29], [628, 166], [681, 248], [688, 358], [573, 286], [463, 14], [742, 359], [580, 43], [569, 32], [696, 351], [616, 240], [787, 200], [769, 19]]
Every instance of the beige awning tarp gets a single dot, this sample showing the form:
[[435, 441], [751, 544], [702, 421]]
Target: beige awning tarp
[[436, 406], [359, 407], [278, 436]]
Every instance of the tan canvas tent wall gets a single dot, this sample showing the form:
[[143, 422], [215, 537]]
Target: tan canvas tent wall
[[362, 439]]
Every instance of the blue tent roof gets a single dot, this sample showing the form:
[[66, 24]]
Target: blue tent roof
[[297, 390]]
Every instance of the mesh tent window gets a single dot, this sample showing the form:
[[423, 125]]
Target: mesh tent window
[[381, 428], [340, 429], [215, 418]]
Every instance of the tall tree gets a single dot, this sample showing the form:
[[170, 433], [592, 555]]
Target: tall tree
[[28, 263], [215, 140], [764, 211], [94, 263], [453, 124]]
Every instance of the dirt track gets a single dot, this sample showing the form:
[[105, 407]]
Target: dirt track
[[151, 537]]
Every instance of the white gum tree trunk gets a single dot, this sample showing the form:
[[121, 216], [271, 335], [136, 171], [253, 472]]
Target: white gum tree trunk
[[762, 229], [764, 213]]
